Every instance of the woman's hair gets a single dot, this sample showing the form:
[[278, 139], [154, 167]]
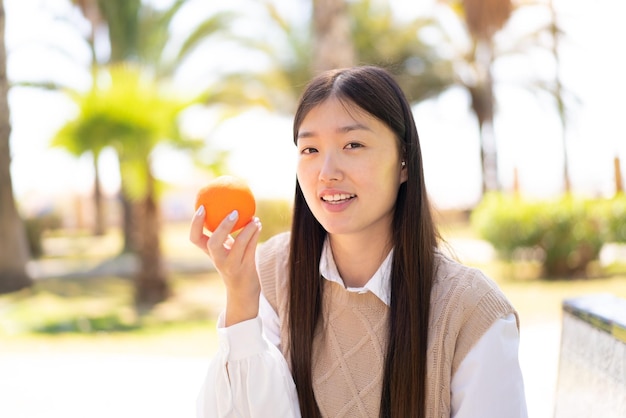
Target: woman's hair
[[414, 241]]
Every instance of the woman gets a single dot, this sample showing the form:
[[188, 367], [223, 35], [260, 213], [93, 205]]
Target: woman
[[355, 312]]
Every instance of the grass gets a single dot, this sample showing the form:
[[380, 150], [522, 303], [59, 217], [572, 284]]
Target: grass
[[540, 301], [105, 304], [536, 298], [96, 313]]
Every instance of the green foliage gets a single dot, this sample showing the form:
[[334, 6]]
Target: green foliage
[[129, 111], [121, 19], [288, 52], [111, 322], [380, 39], [54, 306], [617, 218], [507, 223], [568, 232], [572, 235], [93, 306]]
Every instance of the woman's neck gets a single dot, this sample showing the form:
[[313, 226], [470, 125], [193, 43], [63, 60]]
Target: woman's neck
[[357, 257]]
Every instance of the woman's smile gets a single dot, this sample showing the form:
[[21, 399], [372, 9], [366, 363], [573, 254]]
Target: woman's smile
[[337, 198], [337, 202]]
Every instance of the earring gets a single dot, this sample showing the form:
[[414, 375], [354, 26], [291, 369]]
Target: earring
[[403, 163]]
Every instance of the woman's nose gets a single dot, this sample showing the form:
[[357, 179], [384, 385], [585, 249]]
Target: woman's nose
[[331, 169]]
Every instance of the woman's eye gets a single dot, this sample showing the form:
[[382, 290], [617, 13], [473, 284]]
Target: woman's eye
[[308, 150], [352, 145]]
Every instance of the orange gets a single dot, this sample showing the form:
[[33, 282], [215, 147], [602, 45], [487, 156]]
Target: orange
[[223, 195]]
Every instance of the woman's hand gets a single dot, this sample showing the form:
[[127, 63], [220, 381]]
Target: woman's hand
[[234, 259]]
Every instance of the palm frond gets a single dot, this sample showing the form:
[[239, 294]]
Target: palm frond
[[215, 24]]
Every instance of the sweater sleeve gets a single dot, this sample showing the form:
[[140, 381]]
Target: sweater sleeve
[[248, 377]]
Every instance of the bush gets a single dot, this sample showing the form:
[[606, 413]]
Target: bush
[[572, 236], [616, 216], [508, 223], [568, 233]]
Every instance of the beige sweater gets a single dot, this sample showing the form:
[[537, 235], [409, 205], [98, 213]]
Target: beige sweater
[[350, 346]]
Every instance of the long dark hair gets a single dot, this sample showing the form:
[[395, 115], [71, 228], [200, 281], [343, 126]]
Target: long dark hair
[[414, 241]]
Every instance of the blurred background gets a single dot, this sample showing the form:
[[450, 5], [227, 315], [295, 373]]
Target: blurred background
[[113, 113]]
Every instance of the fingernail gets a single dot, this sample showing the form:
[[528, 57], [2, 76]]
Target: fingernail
[[200, 211], [233, 215]]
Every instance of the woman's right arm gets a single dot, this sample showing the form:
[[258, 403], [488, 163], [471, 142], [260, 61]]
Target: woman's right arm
[[248, 377]]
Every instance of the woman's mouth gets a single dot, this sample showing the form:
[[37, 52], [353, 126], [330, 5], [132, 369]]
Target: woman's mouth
[[335, 199]]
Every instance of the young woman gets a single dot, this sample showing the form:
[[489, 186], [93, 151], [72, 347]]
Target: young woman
[[355, 312]]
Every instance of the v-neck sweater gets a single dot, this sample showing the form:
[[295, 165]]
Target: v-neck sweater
[[350, 343]]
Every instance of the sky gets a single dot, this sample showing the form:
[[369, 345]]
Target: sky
[[527, 127]]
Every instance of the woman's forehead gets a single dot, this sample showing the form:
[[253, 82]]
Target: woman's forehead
[[341, 106]]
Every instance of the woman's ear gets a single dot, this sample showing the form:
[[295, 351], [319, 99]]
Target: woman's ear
[[404, 173]]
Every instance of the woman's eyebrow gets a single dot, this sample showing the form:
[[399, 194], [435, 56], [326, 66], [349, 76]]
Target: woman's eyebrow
[[305, 134], [354, 127], [341, 129]]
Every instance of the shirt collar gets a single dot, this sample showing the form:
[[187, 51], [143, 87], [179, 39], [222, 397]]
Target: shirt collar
[[379, 284]]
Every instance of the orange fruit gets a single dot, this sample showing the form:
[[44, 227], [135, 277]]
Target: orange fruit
[[223, 195]]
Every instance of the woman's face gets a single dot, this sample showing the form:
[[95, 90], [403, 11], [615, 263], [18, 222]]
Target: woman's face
[[349, 168]]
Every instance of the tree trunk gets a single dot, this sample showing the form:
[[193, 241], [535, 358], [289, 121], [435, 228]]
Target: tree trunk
[[488, 157], [516, 186], [484, 18], [558, 96], [151, 282], [129, 230], [91, 12], [333, 46], [483, 106], [619, 183], [99, 227], [13, 245]]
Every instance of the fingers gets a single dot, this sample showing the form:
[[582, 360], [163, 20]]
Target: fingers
[[222, 245], [220, 240], [247, 240], [196, 230], [234, 260]]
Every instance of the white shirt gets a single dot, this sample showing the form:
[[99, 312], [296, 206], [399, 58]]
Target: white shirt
[[249, 377]]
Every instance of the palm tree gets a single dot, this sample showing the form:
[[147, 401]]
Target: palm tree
[[381, 40], [290, 57], [332, 41], [133, 114], [482, 19], [13, 245], [547, 38], [558, 93], [77, 146], [139, 33], [377, 38]]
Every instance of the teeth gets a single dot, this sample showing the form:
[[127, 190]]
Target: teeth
[[337, 197]]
